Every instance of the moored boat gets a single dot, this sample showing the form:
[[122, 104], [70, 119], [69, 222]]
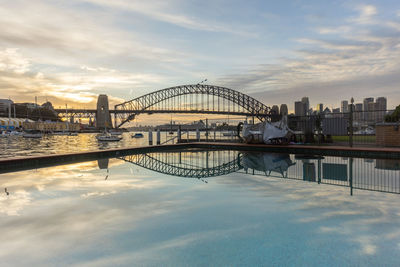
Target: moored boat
[[137, 135], [108, 137], [33, 134]]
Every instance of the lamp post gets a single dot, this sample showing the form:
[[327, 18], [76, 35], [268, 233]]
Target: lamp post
[[351, 123]]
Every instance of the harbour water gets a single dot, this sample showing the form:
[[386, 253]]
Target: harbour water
[[18, 146], [202, 208]]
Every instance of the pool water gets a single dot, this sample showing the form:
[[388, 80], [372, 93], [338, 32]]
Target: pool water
[[203, 208]]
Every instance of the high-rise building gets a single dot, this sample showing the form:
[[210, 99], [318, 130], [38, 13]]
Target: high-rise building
[[345, 106], [299, 109], [367, 113], [380, 107], [284, 110], [357, 115], [275, 109], [320, 108], [371, 111], [306, 104]]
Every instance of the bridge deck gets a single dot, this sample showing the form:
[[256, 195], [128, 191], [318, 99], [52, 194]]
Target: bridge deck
[[33, 162]]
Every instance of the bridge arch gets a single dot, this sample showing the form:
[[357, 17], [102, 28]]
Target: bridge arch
[[234, 102]]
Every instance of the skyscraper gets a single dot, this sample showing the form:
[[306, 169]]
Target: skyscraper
[[358, 111], [320, 108], [299, 108], [380, 107], [306, 104], [371, 111], [275, 109], [367, 114], [283, 110], [345, 106]]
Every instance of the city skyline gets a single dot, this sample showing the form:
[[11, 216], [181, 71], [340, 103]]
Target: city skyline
[[275, 52]]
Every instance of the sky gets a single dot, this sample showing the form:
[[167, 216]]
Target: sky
[[276, 51]]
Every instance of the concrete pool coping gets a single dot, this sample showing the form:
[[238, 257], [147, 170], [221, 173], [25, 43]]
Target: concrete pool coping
[[42, 161]]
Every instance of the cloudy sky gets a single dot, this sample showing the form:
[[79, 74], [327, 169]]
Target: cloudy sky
[[277, 51]]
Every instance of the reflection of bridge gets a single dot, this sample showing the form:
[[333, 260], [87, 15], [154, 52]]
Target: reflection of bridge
[[189, 164], [191, 99]]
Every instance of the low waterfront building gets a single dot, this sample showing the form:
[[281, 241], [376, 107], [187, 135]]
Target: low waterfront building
[[50, 126], [11, 123]]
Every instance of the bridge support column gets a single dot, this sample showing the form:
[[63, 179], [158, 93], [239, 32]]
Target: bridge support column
[[150, 137], [158, 137], [103, 117]]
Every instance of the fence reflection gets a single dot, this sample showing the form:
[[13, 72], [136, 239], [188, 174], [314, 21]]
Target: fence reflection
[[356, 173]]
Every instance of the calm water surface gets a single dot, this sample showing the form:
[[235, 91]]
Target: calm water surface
[[17, 146], [203, 208]]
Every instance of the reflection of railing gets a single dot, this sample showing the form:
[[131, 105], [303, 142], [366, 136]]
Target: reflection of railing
[[362, 174], [193, 164]]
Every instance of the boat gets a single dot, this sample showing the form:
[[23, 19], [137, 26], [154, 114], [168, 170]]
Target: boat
[[33, 134], [137, 135], [108, 137], [73, 134], [114, 132], [61, 133], [4, 134]]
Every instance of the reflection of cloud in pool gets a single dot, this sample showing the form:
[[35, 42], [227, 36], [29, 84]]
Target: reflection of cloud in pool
[[358, 217]]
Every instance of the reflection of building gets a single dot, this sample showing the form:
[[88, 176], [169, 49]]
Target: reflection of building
[[334, 171], [309, 172], [388, 164], [103, 163]]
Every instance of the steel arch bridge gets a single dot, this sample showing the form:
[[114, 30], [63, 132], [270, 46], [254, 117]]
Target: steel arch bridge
[[193, 98], [191, 164]]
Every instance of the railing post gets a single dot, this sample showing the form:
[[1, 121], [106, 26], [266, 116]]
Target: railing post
[[351, 175], [150, 137], [206, 129], [351, 123], [179, 134], [198, 134], [158, 136]]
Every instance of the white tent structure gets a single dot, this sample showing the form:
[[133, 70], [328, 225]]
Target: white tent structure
[[267, 132]]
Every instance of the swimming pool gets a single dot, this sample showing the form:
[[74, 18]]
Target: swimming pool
[[202, 208]]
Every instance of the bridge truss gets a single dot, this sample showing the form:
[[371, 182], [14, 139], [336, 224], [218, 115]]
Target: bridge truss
[[189, 164], [194, 98]]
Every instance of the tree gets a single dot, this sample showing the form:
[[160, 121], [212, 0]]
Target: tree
[[395, 116]]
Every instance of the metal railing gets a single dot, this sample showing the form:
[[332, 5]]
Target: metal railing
[[352, 128]]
